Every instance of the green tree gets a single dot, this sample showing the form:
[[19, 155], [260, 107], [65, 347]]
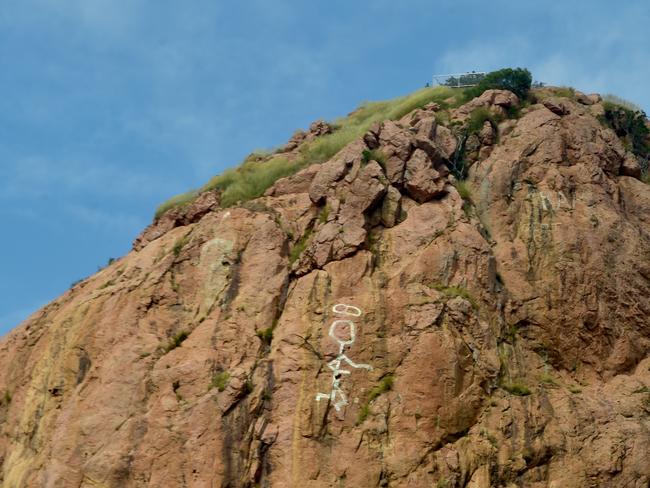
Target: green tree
[[517, 80]]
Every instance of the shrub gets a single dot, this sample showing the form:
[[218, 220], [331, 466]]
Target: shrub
[[516, 80], [478, 118], [464, 80], [458, 164], [608, 98], [629, 125]]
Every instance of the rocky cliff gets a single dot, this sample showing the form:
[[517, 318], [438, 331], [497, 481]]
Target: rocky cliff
[[372, 321]]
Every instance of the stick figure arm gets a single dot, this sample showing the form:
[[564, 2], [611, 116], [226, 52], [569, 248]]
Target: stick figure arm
[[343, 357]]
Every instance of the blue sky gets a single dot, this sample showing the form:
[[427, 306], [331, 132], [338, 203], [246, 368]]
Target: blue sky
[[108, 107]]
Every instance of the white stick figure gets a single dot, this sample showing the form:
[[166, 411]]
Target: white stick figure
[[337, 396]]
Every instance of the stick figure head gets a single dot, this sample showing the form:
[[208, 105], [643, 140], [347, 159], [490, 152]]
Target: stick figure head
[[342, 329]]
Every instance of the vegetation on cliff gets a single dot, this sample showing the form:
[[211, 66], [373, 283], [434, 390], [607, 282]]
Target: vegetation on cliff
[[630, 124], [486, 331], [258, 172]]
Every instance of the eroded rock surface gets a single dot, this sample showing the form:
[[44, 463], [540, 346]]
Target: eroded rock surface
[[500, 340]]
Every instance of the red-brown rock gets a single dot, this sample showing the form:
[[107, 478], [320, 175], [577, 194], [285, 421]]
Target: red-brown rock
[[500, 339]]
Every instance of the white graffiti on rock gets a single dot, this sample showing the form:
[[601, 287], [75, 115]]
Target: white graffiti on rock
[[337, 395]]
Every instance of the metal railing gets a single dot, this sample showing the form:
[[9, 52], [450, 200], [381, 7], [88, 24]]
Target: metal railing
[[459, 80]]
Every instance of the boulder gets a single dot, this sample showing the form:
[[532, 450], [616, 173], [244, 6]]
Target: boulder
[[496, 100], [557, 105], [422, 180]]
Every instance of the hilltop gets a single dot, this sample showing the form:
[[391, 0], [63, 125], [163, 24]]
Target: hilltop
[[448, 289]]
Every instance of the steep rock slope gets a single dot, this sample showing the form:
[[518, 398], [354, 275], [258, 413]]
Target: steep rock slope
[[363, 324]]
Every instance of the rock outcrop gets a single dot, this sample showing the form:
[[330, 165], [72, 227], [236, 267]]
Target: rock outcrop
[[369, 322]]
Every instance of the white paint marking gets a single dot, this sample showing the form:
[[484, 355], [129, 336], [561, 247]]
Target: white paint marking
[[337, 396], [347, 310]]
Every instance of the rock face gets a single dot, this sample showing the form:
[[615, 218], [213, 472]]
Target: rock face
[[362, 325]]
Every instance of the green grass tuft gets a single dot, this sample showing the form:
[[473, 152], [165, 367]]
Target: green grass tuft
[[386, 384], [179, 245], [220, 381], [621, 102], [563, 91], [254, 178], [374, 155], [324, 213], [265, 335], [516, 388], [364, 411], [175, 202], [463, 190], [455, 291], [300, 246], [548, 379], [176, 340]]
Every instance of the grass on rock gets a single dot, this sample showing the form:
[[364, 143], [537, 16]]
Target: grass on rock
[[256, 174]]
